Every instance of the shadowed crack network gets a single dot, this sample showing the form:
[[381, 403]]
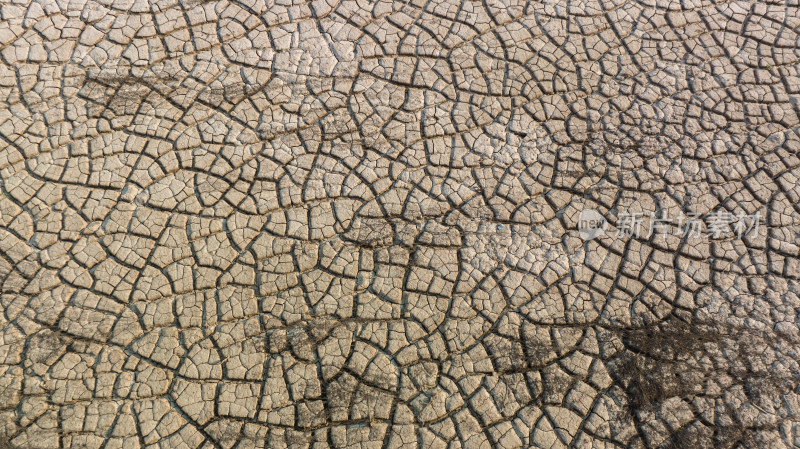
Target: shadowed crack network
[[399, 224]]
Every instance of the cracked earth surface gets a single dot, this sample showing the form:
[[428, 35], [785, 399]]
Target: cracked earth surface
[[249, 224]]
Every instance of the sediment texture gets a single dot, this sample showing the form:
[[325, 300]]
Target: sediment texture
[[354, 224]]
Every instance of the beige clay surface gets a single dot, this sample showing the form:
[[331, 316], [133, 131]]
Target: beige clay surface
[[357, 224]]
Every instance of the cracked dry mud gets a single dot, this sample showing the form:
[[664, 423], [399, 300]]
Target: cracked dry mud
[[250, 224]]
